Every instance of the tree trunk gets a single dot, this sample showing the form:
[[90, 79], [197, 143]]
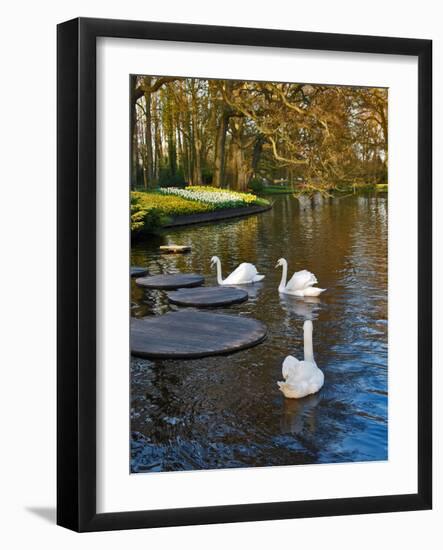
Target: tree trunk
[[239, 175], [158, 140], [197, 144], [133, 152], [256, 154], [219, 160], [240, 168], [181, 152], [243, 173], [197, 176], [172, 153], [148, 165]]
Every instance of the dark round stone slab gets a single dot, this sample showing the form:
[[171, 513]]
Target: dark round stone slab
[[192, 334], [207, 296], [138, 271], [171, 281]]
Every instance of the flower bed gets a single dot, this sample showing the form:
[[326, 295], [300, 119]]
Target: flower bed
[[151, 210], [218, 198]]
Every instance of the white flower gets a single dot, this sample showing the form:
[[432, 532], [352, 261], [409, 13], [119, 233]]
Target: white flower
[[217, 198]]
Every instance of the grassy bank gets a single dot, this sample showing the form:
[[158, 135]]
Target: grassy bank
[[278, 190], [300, 189], [151, 210]]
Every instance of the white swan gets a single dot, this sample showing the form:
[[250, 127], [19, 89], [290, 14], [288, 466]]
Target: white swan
[[300, 284], [301, 377], [243, 274]]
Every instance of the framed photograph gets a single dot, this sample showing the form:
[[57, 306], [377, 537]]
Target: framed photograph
[[244, 274]]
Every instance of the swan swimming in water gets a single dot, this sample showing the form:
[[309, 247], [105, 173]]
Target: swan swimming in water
[[300, 284], [301, 378], [243, 274]]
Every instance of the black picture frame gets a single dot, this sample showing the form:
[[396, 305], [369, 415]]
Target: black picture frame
[[76, 265]]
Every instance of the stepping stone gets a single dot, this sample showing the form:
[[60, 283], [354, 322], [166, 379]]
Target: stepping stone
[[207, 296], [175, 248], [171, 281], [138, 271], [193, 334]]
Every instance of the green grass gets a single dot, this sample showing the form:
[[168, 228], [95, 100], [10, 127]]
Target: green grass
[[277, 190]]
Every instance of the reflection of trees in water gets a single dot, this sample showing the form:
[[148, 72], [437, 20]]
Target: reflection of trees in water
[[227, 411], [233, 242], [344, 242]]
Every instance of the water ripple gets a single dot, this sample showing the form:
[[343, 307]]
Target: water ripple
[[223, 412]]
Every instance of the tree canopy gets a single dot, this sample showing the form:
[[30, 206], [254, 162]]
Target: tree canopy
[[230, 133]]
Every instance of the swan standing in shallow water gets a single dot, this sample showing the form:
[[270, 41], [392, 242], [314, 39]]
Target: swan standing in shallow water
[[300, 284], [301, 377], [244, 274]]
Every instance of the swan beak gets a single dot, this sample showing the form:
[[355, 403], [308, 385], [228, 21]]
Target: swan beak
[[277, 265]]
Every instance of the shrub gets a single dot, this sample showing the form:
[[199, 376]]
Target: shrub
[[145, 218], [256, 185], [168, 179], [207, 176], [150, 210]]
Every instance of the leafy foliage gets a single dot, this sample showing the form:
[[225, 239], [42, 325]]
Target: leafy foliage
[[256, 185], [168, 178], [145, 216]]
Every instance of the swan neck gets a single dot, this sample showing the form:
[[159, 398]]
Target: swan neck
[[308, 346], [219, 272], [284, 276]]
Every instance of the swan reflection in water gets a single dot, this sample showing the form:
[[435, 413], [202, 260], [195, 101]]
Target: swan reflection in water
[[306, 308], [252, 290], [300, 414]]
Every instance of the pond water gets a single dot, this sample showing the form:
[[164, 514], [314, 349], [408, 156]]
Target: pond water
[[227, 411]]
